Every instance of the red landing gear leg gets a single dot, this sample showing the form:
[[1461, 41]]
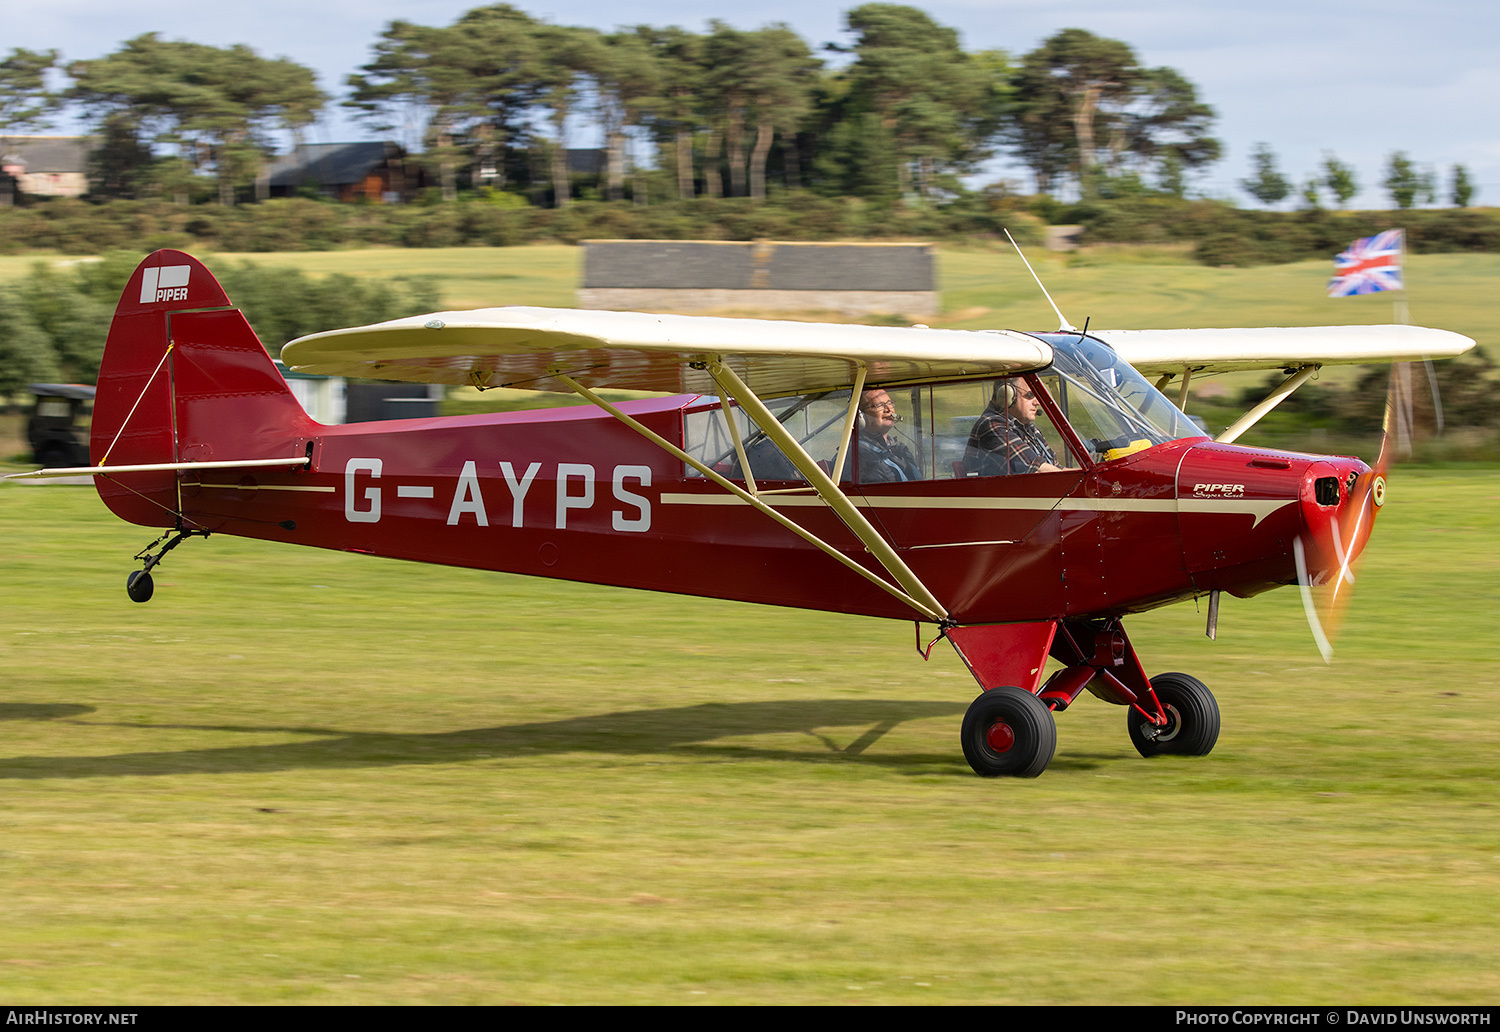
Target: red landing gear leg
[[1009, 729], [1169, 713]]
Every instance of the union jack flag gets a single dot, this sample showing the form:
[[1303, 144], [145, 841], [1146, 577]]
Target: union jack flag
[[1370, 265]]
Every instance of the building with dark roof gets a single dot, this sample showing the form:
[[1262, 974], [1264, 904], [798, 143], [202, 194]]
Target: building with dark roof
[[762, 275], [47, 166], [375, 171]]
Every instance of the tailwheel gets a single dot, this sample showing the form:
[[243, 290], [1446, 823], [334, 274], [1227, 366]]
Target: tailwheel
[[1008, 732], [139, 586], [1192, 719]]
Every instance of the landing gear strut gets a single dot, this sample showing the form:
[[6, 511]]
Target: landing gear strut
[[139, 585], [1010, 731]]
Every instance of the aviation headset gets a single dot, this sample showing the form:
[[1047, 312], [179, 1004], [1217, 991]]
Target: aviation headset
[[1005, 394]]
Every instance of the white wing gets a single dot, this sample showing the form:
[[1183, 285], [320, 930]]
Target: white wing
[[523, 347], [1155, 352]]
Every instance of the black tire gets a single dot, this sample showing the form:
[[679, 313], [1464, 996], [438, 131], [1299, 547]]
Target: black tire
[[1193, 714], [1008, 732], [139, 586]]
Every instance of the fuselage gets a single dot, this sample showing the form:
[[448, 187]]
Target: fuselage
[[1133, 508], [572, 493]]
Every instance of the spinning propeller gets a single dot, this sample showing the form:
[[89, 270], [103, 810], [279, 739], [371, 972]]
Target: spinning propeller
[[1340, 514]]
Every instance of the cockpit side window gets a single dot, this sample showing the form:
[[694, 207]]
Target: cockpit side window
[[976, 428], [815, 420], [891, 443], [997, 428]]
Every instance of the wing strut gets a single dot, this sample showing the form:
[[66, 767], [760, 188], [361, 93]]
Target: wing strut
[[827, 490], [739, 446], [849, 417], [1276, 397], [1182, 392], [1182, 389], [934, 611]]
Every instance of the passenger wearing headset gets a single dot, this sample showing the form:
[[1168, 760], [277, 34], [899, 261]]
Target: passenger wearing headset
[[1005, 438], [883, 458]]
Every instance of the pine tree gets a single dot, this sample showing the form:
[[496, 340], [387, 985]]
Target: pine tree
[[1402, 180], [1339, 178], [1463, 190], [1266, 183]]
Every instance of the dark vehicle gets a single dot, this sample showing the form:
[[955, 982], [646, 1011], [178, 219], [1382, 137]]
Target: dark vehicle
[[58, 430]]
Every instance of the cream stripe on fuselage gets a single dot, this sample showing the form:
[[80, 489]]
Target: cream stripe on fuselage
[[1259, 508]]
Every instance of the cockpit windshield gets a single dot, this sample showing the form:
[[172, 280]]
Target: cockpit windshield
[[1112, 407]]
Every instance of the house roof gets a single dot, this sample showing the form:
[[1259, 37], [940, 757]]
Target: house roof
[[329, 164], [49, 153], [587, 160]]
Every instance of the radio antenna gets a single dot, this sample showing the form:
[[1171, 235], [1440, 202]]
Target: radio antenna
[[1062, 323]]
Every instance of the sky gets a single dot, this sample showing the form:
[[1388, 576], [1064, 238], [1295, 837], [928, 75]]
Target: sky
[[1307, 77]]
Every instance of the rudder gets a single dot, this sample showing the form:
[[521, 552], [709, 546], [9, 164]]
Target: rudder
[[183, 379]]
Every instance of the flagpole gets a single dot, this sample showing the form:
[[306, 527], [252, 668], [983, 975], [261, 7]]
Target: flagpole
[[1400, 312]]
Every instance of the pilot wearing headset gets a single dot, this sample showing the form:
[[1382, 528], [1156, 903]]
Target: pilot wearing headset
[[1005, 438], [883, 458]]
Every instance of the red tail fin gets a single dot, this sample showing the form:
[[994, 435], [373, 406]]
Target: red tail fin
[[184, 379]]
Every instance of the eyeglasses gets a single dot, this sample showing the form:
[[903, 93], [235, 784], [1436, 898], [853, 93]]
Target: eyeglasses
[[874, 406]]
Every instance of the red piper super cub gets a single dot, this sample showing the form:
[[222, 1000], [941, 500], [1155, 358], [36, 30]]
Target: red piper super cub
[[1021, 492]]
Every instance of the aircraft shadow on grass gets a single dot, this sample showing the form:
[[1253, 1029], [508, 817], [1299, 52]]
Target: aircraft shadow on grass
[[690, 729], [42, 710]]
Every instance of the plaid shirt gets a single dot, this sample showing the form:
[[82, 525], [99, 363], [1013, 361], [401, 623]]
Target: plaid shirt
[[1000, 444]]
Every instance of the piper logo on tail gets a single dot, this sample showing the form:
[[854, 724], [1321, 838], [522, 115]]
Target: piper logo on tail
[[165, 283]]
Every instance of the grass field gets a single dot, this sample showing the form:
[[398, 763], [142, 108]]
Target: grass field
[[309, 777]]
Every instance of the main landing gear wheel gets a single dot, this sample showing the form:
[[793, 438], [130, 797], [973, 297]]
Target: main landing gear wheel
[[1008, 732], [1192, 719]]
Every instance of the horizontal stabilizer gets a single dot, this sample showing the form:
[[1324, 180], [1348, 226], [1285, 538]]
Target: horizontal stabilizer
[[152, 467]]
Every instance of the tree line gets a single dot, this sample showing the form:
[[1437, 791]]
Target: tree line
[[53, 323], [1405, 182], [898, 116]]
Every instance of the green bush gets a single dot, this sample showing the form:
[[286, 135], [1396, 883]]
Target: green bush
[[283, 304], [53, 325], [26, 354]]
